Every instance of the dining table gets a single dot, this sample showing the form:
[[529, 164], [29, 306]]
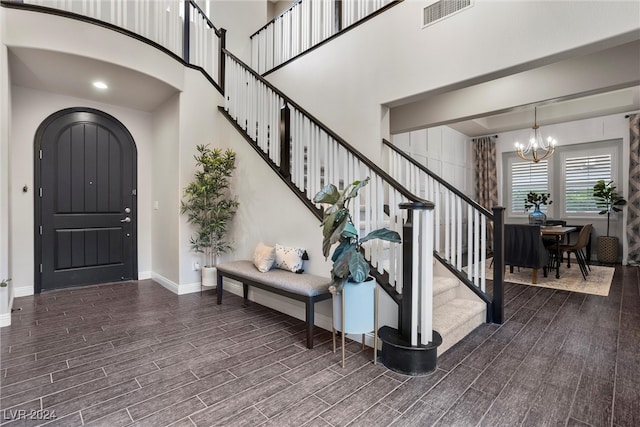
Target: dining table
[[558, 232]]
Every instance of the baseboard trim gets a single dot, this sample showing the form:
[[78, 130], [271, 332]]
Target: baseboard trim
[[144, 275], [166, 283], [22, 291], [5, 319]]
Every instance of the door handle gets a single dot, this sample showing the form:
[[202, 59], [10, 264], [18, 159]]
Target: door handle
[[127, 219]]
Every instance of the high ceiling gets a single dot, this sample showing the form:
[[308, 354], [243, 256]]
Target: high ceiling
[[73, 75]]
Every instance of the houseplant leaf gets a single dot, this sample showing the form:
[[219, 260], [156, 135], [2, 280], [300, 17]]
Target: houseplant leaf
[[383, 234]]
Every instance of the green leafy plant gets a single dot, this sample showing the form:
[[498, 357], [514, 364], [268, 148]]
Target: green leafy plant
[[4, 283], [537, 199], [607, 199], [208, 202], [337, 227]]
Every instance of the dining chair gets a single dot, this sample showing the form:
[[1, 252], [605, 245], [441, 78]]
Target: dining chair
[[523, 247], [577, 248]]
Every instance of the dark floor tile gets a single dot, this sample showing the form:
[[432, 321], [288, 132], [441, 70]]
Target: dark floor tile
[[420, 414], [71, 420], [162, 399], [171, 414], [468, 410], [493, 379], [239, 386], [482, 356], [378, 415], [413, 389], [93, 398], [551, 406], [356, 404], [300, 390], [451, 387], [558, 345], [594, 400], [234, 405], [337, 391], [298, 414], [138, 395], [507, 331]]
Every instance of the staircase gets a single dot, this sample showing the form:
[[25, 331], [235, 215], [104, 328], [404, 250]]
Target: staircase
[[307, 155], [456, 310]]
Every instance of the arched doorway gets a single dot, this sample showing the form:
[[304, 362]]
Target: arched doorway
[[85, 200]]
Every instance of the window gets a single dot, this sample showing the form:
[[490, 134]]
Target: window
[[526, 177], [581, 173], [569, 176]]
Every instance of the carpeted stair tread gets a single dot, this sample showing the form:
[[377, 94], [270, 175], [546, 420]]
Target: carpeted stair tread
[[444, 289], [442, 284], [455, 319]]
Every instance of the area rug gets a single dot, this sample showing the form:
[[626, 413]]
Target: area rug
[[598, 281]]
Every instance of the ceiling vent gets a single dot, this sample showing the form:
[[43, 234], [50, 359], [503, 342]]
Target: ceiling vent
[[442, 9]]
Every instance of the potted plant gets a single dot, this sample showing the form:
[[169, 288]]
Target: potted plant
[[533, 199], [608, 200], [350, 272], [209, 206]]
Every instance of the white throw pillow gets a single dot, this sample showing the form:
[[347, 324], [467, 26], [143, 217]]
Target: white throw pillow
[[263, 257], [289, 259]]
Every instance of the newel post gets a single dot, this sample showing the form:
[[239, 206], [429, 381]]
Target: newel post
[[412, 349], [498, 265], [285, 141], [404, 309]]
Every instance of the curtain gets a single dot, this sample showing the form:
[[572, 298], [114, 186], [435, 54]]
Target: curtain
[[484, 150], [633, 201], [484, 155]]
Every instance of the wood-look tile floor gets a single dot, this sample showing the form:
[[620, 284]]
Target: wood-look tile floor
[[136, 354]]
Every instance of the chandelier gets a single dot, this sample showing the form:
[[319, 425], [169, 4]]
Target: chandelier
[[537, 149]]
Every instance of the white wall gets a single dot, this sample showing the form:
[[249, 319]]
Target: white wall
[[5, 134], [344, 82], [164, 194], [241, 19], [605, 128], [199, 124], [29, 108], [444, 151]]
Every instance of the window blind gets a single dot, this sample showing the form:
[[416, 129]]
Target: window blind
[[526, 177], [581, 174]]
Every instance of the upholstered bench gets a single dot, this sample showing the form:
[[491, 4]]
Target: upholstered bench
[[302, 287]]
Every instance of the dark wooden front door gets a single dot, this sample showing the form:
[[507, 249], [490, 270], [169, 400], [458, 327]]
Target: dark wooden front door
[[85, 200]]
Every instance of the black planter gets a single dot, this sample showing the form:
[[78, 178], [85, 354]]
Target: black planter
[[400, 356]]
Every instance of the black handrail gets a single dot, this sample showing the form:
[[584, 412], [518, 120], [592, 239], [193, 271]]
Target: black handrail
[[395, 184], [484, 211], [204, 15], [275, 18]]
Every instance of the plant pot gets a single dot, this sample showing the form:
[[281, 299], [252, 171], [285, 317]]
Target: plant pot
[[359, 307], [608, 249], [209, 277]]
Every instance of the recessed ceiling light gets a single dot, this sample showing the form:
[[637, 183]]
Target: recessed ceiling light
[[100, 85]]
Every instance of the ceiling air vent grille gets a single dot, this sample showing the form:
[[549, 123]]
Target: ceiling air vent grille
[[442, 9]]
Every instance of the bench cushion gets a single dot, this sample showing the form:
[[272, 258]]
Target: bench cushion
[[302, 284]]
